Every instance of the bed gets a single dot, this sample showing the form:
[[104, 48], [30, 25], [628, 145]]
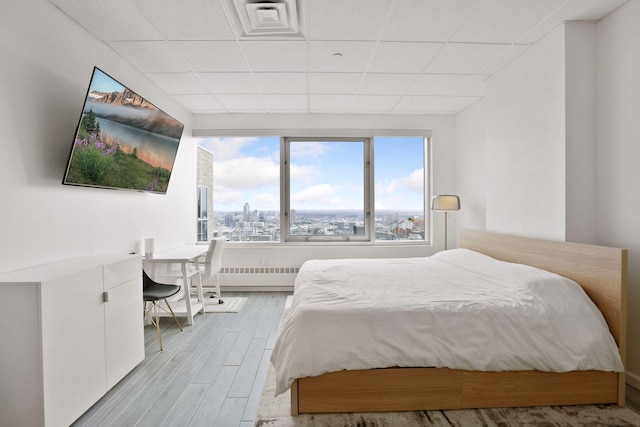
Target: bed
[[427, 383]]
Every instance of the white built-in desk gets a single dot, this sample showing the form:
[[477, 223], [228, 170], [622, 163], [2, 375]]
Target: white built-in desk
[[184, 256], [70, 331]]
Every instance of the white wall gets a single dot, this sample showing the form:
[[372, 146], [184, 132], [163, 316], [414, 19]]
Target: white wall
[[46, 64], [471, 167], [526, 152], [618, 154], [580, 129], [583, 82], [525, 149], [443, 177]]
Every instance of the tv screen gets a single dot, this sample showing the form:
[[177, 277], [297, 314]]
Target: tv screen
[[122, 140]]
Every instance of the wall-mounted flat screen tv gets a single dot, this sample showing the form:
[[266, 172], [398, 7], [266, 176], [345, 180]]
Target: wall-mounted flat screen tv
[[122, 140]]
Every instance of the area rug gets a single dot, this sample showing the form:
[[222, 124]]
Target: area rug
[[275, 412], [230, 305]]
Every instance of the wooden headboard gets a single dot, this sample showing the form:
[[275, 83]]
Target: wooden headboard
[[601, 271]]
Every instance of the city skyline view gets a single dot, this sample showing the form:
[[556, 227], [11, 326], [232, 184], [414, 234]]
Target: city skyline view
[[326, 186]]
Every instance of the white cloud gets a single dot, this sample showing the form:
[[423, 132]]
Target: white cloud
[[226, 148], [312, 149], [223, 198], [245, 173], [303, 173], [413, 182], [313, 194]]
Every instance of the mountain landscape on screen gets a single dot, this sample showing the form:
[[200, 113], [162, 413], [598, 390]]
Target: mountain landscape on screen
[[122, 140]]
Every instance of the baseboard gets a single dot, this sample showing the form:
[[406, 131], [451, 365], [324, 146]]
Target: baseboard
[[632, 379], [268, 288]]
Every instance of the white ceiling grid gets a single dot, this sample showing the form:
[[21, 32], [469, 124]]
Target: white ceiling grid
[[350, 56]]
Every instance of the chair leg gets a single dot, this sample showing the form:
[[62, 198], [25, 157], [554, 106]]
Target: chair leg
[[157, 323], [218, 292], [173, 314]]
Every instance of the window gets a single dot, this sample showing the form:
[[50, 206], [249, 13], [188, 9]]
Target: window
[[400, 188], [203, 220], [326, 183], [353, 188], [246, 188]]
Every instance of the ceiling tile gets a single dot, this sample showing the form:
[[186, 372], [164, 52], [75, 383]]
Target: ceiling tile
[[438, 84], [455, 104], [475, 86], [211, 56], [201, 103], [110, 20], [186, 19], [401, 57], [179, 83], [289, 103], [229, 82], [354, 56], [434, 104], [503, 21], [151, 56], [334, 83], [375, 103], [501, 60], [283, 83], [241, 102], [418, 104], [465, 58], [386, 84], [332, 103], [347, 20], [284, 55], [426, 20]]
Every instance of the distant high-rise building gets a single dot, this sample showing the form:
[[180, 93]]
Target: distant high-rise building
[[228, 220], [292, 219], [247, 212]]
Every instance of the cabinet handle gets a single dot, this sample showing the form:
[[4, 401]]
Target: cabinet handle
[[105, 297]]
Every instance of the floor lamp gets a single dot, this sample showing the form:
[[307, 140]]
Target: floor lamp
[[445, 203]]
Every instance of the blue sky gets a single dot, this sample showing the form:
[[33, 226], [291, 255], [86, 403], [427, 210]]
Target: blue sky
[[324, 175], [103, 83]]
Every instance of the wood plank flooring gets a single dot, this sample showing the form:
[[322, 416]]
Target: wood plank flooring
[[210, 374]]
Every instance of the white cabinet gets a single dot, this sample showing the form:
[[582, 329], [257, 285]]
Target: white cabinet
[[70, 331]]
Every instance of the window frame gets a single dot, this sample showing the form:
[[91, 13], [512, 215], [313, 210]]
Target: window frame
[[285, 189], [341, 134]]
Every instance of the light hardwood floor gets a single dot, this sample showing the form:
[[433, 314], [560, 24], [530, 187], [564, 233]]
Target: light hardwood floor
[[210, 374]]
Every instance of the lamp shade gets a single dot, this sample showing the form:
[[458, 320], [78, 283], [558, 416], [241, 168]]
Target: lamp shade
[[445, 202]]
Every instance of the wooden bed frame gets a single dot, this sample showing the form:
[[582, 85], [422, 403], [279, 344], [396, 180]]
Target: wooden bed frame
[[601, 271]]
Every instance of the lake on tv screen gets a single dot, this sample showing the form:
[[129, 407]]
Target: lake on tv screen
[[124, 146]]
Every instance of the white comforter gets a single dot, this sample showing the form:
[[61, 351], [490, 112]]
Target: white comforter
[[458, 309]]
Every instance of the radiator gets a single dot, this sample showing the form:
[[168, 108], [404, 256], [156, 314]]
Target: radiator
[[259, 270], [275, 278]]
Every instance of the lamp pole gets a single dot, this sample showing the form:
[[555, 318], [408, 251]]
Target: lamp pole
[[446, 216]]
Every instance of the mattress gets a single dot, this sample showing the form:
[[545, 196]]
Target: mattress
[[457, 309]]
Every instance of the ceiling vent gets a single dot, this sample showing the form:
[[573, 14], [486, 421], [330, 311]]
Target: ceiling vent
[[267, 18]]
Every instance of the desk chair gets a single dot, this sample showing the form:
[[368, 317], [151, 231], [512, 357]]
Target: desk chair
[[153, 292], [212, 266], [209, 266]]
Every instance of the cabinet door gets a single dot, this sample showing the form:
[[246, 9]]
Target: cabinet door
[[72, 345], [21, 401], [124, 329]]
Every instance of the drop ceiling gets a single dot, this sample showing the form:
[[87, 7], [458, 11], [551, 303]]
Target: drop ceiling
[[325, 56]]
